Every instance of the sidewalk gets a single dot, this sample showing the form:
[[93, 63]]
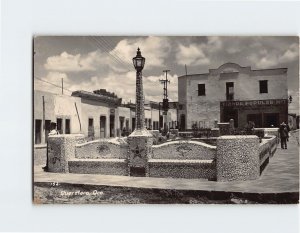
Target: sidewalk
[[280, 176]]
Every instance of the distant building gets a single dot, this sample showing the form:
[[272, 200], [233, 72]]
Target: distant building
[[98, 114], [233, 92], [292, 121]]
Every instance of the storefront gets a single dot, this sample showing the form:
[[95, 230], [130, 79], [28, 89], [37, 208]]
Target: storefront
[[264, 113]]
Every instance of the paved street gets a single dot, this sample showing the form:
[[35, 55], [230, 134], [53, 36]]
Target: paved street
[[280, 176]]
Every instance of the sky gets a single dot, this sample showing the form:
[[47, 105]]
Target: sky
[[105, 62]]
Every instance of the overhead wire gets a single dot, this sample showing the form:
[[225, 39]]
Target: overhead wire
[[53, 84]]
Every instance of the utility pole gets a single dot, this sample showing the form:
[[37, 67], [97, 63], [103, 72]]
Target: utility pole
[[185, 69], [165, 82], [165, 99], [62, 86]]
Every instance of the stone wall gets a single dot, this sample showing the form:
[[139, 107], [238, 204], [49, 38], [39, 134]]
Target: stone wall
[[116, 167], [184, 150], [233, 158], [40, 155], [61, 149], [237, 158], [270, 131], [188, 169], [267, 148], [104, 148], [183, 159]]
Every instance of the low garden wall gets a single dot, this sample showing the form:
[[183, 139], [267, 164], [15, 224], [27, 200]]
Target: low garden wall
[[234, 157], [117, 167], [40, 155], [270, 131], [267, 148], [178, 168], [184, 150], [183, 159], [104, 148]]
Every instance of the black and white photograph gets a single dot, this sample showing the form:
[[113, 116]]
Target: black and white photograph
[[165, 119], [149, 116]]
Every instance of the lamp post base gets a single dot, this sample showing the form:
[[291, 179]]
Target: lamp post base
[[140, 150]]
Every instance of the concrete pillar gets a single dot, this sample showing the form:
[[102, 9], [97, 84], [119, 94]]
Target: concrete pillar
[[231, 126], [140, 150], [61, 148], [215, 123], [215, 132], [224, 128], [238, 158]]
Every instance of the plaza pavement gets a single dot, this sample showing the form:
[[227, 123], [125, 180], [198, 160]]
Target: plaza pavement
[[280, 176]]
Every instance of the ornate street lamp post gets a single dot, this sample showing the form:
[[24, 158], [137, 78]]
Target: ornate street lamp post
[[140, 140], [139, 62]]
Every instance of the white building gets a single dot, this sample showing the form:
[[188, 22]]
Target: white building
[[98, 115], [233, 92]]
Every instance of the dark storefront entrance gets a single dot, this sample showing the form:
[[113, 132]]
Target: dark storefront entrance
[[231, 114], [264, 120], [264, 113], [271, 119]]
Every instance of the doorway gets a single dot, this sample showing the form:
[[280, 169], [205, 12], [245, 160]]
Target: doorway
[[133, 123], [47, 129], [67, 126], [102, 126], [59, 126], [271, 119], [182, 122], [231, 114], [256, 118], [112, 125], [38, 131]]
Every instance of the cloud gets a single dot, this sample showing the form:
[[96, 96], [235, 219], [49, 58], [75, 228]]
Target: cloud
[[272, 52], [68, 63], [198, 54], [214, 43], [264, 60], [291, 54], [92, 61], [192, 55], [153, 90], [51, 82], [154, 49]]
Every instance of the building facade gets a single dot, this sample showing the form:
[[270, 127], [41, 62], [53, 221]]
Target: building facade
[[96, 115], [233, 92], [64, 110]]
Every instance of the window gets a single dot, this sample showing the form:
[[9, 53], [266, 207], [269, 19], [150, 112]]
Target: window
[[263, 86], [67, 127], [201, 89], [229, 90]]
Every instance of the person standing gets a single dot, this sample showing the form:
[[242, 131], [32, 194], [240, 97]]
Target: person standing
[[283, 133], [288, 129]]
